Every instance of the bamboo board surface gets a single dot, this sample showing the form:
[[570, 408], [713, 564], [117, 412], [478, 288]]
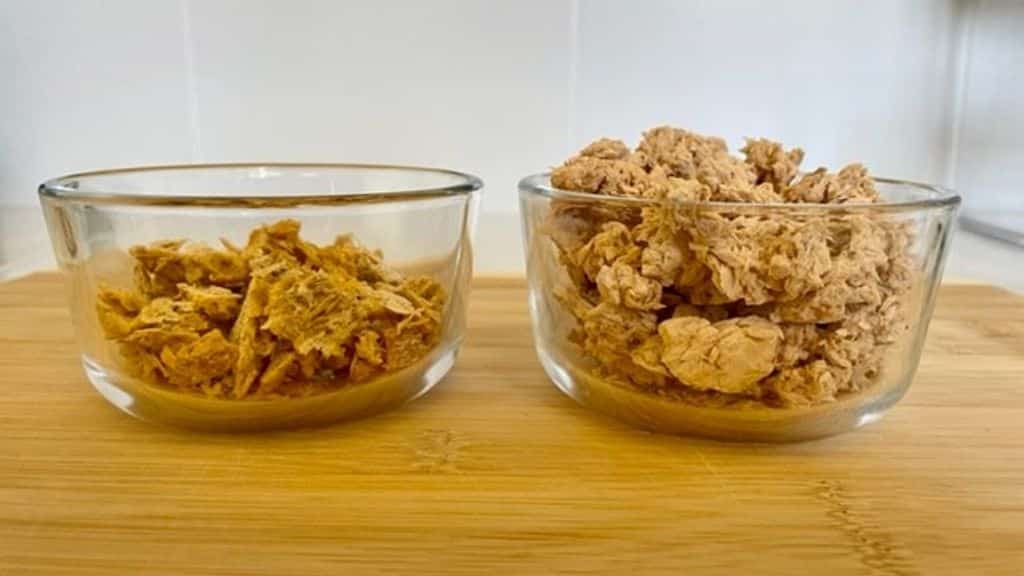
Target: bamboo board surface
[[496, 472]]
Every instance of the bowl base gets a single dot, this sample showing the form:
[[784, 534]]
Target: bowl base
[[170, 407], [734, 424]]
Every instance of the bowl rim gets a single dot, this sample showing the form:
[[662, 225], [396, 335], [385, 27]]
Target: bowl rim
[[59, 189], [942, 197]]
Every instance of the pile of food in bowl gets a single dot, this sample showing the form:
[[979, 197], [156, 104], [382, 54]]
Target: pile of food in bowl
[[242, 296], [694, 290], [277, 317]]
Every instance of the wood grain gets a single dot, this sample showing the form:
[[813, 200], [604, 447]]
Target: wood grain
[[497, 472]]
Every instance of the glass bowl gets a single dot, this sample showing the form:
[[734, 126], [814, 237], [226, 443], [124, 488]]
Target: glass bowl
[[784, 322], [261, 296]]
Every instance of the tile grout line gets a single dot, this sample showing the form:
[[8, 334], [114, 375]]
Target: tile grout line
[[191, 82], [961, 64], [574, 25]]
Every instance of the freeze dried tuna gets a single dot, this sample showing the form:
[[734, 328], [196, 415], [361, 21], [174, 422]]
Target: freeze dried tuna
[[279, 316], [729, 356], [785, 306]]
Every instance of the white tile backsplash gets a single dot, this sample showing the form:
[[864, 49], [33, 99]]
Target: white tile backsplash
[[88, 84], [846, 80], [500, 88], [990, 167], [481, 87]]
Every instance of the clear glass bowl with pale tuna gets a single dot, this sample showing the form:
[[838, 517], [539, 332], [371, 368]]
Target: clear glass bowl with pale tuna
[[688, 290]]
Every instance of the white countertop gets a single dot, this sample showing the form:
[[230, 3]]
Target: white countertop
[[25, 248]]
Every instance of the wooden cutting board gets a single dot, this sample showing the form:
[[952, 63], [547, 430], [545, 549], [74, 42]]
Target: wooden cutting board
[[496, 472]]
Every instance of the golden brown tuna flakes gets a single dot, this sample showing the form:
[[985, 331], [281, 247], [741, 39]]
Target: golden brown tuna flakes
[[277, 317], [708, 305]]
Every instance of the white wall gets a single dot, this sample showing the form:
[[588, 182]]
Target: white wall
[[88, 84], [496, 87], [468, 84], [847, 80], [990, 143]]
